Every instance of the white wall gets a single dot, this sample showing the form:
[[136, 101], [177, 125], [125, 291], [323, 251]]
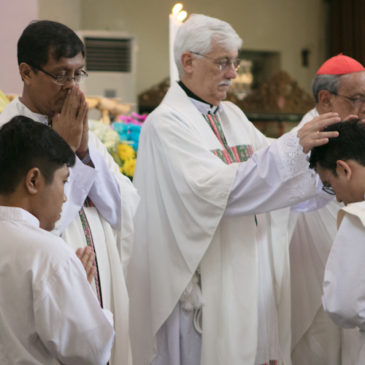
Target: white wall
[[15, 15]]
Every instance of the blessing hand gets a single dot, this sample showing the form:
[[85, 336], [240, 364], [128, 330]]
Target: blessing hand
[[311, 135]]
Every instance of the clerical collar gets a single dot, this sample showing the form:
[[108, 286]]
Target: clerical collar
[[199, 103]]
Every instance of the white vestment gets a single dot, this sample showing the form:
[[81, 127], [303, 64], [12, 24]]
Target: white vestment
[[197, 211], [315, 338], [48, 311], [110, 221], [343, 288]]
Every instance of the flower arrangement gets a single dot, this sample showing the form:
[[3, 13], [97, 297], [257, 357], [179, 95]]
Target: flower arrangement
[[106, 134], [123, 154], [121, 139], [129, 128], [128, 167]]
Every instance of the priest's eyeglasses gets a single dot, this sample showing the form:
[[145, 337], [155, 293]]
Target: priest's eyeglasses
[[63, 79], [223, 63], [357, 101]]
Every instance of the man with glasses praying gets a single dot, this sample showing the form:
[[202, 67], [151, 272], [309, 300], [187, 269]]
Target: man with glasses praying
[[100, 200], [339, 86], [206, 275]]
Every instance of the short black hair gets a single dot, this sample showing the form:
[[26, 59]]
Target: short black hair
[[25, 144], [349, 145], [43, 39]]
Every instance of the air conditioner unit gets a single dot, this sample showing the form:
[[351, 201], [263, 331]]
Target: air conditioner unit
[[111, 65]]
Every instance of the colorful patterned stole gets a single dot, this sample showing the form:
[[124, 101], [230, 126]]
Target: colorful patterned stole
[[90, 243], [227, 154]]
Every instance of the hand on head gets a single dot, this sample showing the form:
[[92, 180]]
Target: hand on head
[[311, 135]]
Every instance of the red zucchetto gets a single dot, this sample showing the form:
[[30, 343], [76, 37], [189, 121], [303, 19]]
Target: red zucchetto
[[340, 65]]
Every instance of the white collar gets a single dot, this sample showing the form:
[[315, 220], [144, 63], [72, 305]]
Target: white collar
[[203, 107], [19, 215], [28, 113]]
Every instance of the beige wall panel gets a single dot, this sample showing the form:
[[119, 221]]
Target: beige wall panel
[[63, 11], [286, 26]]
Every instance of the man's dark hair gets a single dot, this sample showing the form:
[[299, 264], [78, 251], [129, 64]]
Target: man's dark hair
[[25, 144], [43, 39], [349, 145]]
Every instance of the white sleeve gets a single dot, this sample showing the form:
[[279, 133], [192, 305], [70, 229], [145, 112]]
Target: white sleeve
[[319, 201], [104, 191], [69, 320], [274, 177], [76, 190], [114, 196], [106, 186], [343, 288]]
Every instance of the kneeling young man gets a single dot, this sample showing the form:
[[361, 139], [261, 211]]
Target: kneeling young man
[[48, 311], [341, 167]]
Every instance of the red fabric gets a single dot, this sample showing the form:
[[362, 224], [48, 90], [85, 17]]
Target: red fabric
[[340, 65]]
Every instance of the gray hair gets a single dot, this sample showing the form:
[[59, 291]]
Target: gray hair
[[197, 33], [331, 83]]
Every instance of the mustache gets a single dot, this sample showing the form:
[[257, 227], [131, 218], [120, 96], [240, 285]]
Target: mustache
[[225, 83]]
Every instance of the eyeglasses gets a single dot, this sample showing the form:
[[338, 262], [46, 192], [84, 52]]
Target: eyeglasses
[[223, 63], [328, 189], [357, 101], [63, 79]]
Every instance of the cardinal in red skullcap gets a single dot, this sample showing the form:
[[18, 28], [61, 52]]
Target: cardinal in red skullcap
[[340, 65], [339, 86]]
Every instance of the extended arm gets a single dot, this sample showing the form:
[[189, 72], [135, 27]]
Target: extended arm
[[278, 175]]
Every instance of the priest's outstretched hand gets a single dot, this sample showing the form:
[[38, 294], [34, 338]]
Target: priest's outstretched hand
[[311, 135]]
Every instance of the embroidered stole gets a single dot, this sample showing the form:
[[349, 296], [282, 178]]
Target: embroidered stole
[[90, 242], [227, 154]]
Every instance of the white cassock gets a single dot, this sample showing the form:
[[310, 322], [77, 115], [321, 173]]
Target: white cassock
[[198, 212], [48, 311], [107, 225], [344, 278], [316, 340]]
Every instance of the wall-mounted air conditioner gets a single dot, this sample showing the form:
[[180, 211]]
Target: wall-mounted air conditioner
[[111, 65]]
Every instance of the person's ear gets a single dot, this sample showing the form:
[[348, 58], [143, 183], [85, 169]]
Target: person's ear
[[344, 169], [33, 181], [26, 72], [324, 101], [187, 62]]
